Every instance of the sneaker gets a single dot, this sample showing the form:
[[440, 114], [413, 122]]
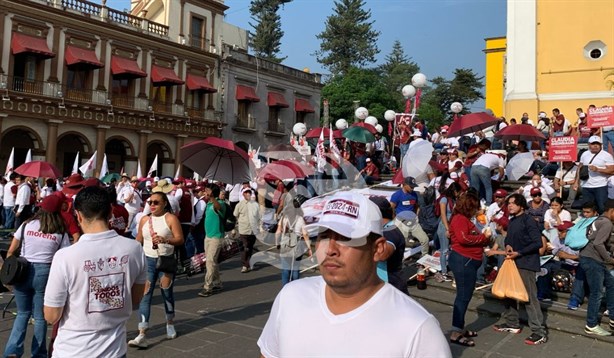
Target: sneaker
[[170, 331], [597, 330], [573, 305], [544, 299], [506, 328], [535, 339], [612, 325], [245, 269], [139, 342], [205, 293], [606, 313], [217, 288]]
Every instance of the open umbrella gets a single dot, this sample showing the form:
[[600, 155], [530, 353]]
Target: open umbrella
[[417, 158], [38, 169], [281, 151], [359, 134], [470, 123], [218, 159], [315, 133], [110, 177], [366, 126], [520, 132], [519, 165]]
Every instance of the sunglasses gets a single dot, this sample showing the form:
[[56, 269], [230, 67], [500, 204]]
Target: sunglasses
[[153, 202], [534, 195]]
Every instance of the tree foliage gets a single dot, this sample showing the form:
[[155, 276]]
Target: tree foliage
[[397, 72], [266, 39], [348, 39]]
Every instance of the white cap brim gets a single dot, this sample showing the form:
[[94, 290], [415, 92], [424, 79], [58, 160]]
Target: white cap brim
[[358, 237]]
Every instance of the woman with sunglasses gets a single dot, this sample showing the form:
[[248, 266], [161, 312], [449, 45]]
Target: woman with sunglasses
[[159, 232], [537, 207]]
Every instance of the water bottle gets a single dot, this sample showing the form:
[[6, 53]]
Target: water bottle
[[154, 245], [421, 279]]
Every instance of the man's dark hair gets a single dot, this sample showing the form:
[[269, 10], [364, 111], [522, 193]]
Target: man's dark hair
[[215, 190], [93, 203], [590, 205], [13, 176], [112, 193], [519, 200]]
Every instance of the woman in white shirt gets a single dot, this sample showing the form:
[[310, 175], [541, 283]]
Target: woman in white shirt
[[290, 230], [556, 214], [40, 238]]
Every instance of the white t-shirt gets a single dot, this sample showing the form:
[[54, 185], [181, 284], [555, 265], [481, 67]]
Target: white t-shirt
[[8, 199], [549, 218], [602, 160], [490, 161], [93, 281], [570, 175], [494, 212], [39, 247], [389, 324], [134, 205], [450, 141]]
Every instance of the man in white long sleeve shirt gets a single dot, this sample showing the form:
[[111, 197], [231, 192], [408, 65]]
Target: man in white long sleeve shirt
[[23, 209], [247, 213], [9, 203], [132, 199]]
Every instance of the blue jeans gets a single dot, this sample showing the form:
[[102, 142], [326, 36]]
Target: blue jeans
[[444, 246], [480, 177], [29, 297], [608, 138], [9, 217], [597, 195], [597, 277], [544, 283], [465, 274], [289, 269], [153, 275], [404, 148], [578, 289]]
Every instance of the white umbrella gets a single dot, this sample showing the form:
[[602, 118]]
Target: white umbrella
[[519, 165], [417, 158]]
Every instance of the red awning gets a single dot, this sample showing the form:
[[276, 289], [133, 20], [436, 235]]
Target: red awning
[[246, 93], [199, 83], [79, 56], [21, 43], [164, 76], [275, 99], [303, 105], [126, 67]]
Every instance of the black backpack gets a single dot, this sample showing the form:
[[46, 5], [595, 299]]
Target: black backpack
[[228, 221]]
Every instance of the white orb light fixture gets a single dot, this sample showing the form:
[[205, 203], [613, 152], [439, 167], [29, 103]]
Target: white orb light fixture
[[408, 91], [341, 124], [390, 115], [379, 128], [419, 80], [456, 107], [361, 113], [371, 120], [299, 129]]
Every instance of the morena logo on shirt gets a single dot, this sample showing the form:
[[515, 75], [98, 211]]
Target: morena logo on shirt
[[342, 207], [42, 235]]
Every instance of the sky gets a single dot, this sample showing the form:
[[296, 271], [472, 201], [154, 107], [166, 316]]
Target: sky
[[439, 35]]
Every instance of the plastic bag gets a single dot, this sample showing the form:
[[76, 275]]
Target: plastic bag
[[509, 283]]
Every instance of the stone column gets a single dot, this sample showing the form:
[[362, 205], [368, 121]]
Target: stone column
[[142, 151], [101, 140], [102, 79], [178, 144], [52, 140]]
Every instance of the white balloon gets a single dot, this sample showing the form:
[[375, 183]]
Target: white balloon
[[419, 80], [361, 113], [379, 128], [371, 120], [456, 107], [390, 115], [299, 129], [408, 91], [341, 123]]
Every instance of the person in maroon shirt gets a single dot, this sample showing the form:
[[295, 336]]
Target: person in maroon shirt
[[466, 251], [370, 172], [70, 222], [119, 215]]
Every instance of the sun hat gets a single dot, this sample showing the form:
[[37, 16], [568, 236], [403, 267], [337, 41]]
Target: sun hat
[[351, 215], [163, 186]]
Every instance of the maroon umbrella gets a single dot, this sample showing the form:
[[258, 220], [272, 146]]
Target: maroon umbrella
[[366, 126], [315, 133], [520, 132], [281, 151], [38, 169], [470, 123], [217, 159]]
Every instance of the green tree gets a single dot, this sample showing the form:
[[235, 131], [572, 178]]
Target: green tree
[[465, 88], [266, 39], [397, 72], [348, 39]]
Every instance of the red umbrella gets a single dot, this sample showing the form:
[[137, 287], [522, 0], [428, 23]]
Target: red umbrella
[[299, 168], [38, 169], [218, 159], [520, 132], [366, 126], [470, 123], [315, 133], [281, 151]]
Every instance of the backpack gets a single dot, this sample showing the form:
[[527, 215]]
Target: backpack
[[577, 235], [427, 219]]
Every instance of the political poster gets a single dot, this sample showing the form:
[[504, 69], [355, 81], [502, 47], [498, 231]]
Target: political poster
[[600, 117], [563, 149]]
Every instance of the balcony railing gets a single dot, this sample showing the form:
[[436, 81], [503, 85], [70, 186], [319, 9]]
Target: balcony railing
[[123, 102], [199, 42], [84, 7], [161, 107], [246, 122], [77, 94], [197, 113], [20, 84], [125, 18]]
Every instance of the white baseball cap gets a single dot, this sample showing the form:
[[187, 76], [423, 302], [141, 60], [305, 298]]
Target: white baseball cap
[[349, 214], [594, 139], [542, 115]]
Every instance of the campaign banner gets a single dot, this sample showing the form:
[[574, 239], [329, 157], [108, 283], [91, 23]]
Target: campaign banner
[[600, 117], [404, 118], [563, 149]]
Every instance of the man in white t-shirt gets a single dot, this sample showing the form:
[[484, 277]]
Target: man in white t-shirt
[[600, 166], [481, 177], [93, 286], [349, 309], [564, 178], [131, 198], [9, 202]]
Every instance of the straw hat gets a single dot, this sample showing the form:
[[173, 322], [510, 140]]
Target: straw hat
[[163, 186]]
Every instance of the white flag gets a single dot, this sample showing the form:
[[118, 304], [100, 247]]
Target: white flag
[[321, 158], [88, 168], [75, 166], [139, 171], [153, 168], [29, 156], [177, 172], [105, 167], [333, 145], [10, 164], [196, 176]]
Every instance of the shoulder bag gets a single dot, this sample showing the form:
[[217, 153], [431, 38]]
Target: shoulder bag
[[165, 263], [15, 268], [584, 169]]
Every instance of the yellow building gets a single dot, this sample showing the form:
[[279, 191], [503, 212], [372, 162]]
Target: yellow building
[[558, 55], [495, 67]]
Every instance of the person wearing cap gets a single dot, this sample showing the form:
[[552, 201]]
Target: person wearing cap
[[370, 172], [498, 208], [455, 164], [247, 213], [565, 258], [584, 131], [40, 238], [124, 182], [596, 260], [543, 125], [131, 197], [537, 182], [481, 174], [93, 285], [405, 198], [23, 208], [119, 215], [600, 165], [349, 307], [522, 244], [537, 207]]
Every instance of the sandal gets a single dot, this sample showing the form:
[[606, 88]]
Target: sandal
[[470, 334], [463, 341]]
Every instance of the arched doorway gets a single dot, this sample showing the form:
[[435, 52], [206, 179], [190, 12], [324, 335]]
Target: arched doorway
[[117, 150], [163, 152], [69, 144], [22, 139]]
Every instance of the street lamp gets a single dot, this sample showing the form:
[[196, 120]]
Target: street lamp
[[456, 108], [361, 113]]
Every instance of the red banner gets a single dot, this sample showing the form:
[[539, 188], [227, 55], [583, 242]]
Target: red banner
[[403, 118], [600, 117], [563, 149]]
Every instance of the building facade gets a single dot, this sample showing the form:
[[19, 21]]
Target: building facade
[[558, 55]]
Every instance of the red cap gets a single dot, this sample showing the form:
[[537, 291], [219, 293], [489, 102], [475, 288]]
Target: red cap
[[535, 191], [565, 225], [51, 204], [501, 193], [503, 221]]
